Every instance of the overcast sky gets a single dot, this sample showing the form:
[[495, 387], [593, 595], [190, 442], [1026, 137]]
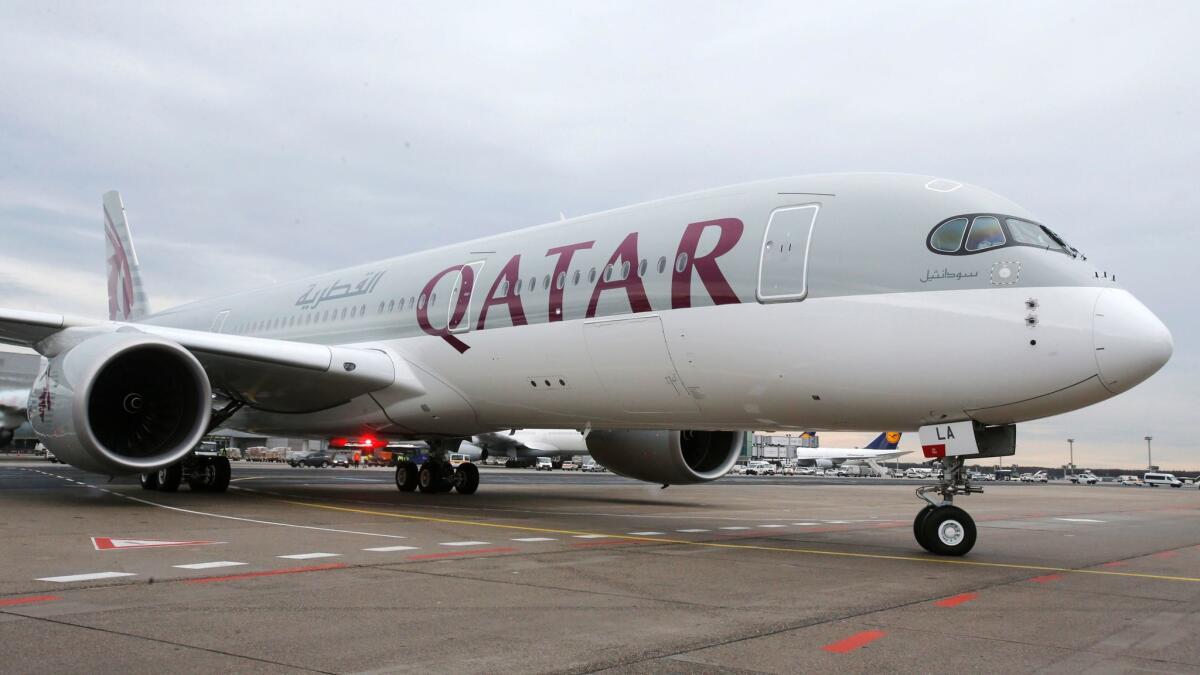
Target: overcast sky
[[255, 142]]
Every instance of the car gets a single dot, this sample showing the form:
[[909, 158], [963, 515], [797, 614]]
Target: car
[[593, 466], [1085, 479], [341, 459], [805, 471], [544, 464], [458, 458], [569, 465], [759, 468], [1129, 480], [787, 470], [1154, 479], [317, 459]]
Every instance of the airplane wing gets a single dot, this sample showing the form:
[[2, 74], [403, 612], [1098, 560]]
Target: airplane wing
[[271, 375]]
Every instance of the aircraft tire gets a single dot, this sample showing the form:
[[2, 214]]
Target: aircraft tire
[[170, 477], [467, 479], [406, 476], [224, 472], [429, 478], [918, 530], [149, 481], [949, 531]]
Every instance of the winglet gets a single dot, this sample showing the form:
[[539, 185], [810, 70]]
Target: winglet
[[126, 295]]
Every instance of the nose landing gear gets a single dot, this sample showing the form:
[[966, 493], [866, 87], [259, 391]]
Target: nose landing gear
[[941, 527]]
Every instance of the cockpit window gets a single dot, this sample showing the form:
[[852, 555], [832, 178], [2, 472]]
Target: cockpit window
[[1025, 232], [949, 235], [985, 233], [978, 232]]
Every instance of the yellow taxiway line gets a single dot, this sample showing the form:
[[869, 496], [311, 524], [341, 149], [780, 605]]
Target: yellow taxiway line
[[749, 547]]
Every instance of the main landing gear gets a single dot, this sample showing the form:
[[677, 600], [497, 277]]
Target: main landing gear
[[436, 476], [942, 527], [203, 473]]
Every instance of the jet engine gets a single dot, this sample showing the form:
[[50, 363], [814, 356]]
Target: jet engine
[[121, 403], [824, 463], [666, 457]]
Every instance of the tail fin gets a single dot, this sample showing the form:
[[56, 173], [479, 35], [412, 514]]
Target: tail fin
[[126, 296], [888, 440]]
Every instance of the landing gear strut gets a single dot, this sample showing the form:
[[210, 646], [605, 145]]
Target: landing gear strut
[[940, 527]]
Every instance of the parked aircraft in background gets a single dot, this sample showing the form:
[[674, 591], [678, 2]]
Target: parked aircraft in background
[[882, 448], [523, 446], [633, 325], [12, 413]]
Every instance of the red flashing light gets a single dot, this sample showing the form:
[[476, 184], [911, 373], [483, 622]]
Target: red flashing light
[[368, 442], [337, 442]]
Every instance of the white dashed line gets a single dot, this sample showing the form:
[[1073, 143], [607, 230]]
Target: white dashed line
[[534, 539], [592, 536], [1080, 520], [805, 524], [308, 556], [645, 534], [465, 543], [87, 577], [389, 549], [773, 525], [734, 527], [210, 565], [836, 522], [694, 529]]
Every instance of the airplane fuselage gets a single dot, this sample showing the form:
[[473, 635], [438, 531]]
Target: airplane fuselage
[[799, 303]]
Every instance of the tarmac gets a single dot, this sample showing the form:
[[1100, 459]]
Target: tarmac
[[334, 570]]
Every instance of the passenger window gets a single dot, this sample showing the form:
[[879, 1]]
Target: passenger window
[[662, 264], [592, 276], [575, 279], [391, 305], [625, 270], [985, 233], [503, 291], [949, 235], [561, 281], [421, 302], [681, 263], [520, 286], [608, 272], [642, 268], [546, 282]]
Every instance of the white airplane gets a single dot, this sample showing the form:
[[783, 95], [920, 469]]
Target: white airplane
[[882, 448], [634, 325], [12, 413], [523, 446]]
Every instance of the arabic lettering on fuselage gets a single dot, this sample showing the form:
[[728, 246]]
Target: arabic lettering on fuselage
[[944, 273], [339, 291]]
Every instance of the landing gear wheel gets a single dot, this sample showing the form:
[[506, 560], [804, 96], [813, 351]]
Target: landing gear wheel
[[948, 530], [406, 476], [170, 477], [211, 476], [149, 481], [466, 479], [918, 530], [430, 478]]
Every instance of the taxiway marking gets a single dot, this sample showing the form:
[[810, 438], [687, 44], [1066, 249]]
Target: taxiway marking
[[694, 529], [647, 534], [854, 642], [750, 547], [1081, 520], [87, 577], [210, 565], [956, 600], [459, 554], [731, 527], [1047, 578], [268, 573], [592, 536], [465, 543], [12, 602], [534, 539], [389, 549], [308, 556]]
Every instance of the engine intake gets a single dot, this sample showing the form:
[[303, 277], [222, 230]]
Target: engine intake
[[121, 403], [667, 457]]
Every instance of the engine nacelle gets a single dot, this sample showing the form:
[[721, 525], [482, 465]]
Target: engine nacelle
[[824, 463], [667, 457], [121, 403]]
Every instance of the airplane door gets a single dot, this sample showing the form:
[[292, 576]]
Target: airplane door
[[458, 318], [783, 268], [633, 364]]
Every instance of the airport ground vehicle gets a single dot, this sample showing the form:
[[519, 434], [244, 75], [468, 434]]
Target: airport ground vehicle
[[1129, 480], [205, 469], [341, 459], [592, 465], [457, 459], [759, 468], [1085, 479], [317, 459], [569, 465], [543, 464], [1155, 479]]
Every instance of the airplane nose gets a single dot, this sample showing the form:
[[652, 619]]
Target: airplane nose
[[1131, 343]]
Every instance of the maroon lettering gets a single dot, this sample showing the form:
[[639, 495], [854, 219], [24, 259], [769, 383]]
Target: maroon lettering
[[564, 253], [509, 275], [634, 289], [461, 304], [706, 265]]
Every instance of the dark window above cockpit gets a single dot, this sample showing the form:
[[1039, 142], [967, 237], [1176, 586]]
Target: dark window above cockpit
[[975, 233]]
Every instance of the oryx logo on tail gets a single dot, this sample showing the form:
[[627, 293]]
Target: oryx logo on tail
[[126, 299]]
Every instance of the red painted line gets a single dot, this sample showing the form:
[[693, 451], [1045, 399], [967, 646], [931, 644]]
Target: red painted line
[[459, 554], [1115, 563], [610, 542], [956, 600], [1046, 578], [9, 602], [269, 573], [854, 642], [1166, 554]]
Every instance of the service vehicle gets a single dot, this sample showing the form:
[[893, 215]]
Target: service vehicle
[[569, 465], [759, 468], [1154, 479], [341, 459], [1085, 479], [1129, 480], [543, 464], [593, 466], [457, 458]]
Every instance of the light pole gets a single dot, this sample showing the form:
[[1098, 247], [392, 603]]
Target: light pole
[[1149, 457], [1071, 443]]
